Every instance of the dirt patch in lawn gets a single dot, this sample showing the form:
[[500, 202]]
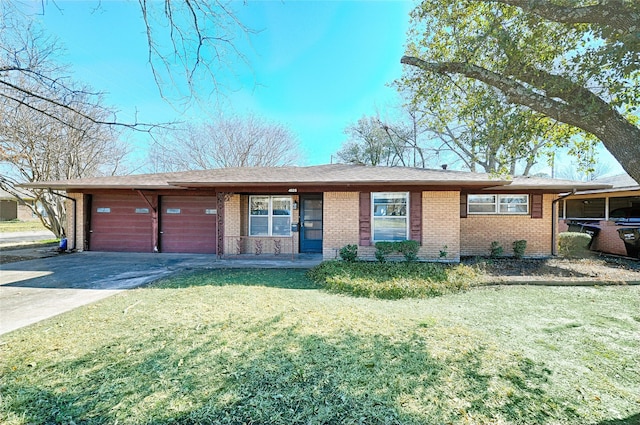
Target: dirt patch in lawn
[[604, 269]]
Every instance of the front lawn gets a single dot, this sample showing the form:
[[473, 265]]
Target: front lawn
[[20, 226], [270, 347]]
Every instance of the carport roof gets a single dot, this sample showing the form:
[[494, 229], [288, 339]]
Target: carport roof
[[330, 175]]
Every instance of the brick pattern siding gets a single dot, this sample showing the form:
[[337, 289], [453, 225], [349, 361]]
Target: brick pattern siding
[[75, 236], [340, 222], [478, 231], [341, 225], [232, 221], [440, 225]]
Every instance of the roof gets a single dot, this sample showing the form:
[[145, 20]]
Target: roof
[[617, 183], [330, 175]]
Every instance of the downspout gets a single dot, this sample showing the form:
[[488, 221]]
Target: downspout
[[554, 221], [75, 213]]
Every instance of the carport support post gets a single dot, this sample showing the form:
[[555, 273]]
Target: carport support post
[[554, 220], [155, 229]]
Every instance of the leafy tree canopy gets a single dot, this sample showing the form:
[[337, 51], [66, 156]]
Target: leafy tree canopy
[[575, 62]]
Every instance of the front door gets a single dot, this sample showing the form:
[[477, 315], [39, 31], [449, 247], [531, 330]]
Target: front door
[[310, 223]]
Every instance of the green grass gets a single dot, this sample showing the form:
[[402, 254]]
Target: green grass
[[270, 347], [20, 226]]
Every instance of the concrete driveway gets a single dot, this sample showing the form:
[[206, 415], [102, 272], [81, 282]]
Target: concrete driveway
[[34, 290], [37, 289]]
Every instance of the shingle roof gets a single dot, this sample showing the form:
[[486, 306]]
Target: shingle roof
[[620, 180], [617, 184], [330, 175]]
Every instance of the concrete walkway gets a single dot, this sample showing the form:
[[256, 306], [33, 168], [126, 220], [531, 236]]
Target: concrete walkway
[[37, 289]]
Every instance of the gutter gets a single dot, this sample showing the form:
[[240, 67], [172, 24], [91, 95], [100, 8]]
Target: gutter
[[554, 222]]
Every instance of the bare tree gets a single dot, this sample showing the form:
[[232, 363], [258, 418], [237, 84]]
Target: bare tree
[[190, 43], [37, 147], [233, 141], [50, 127], [31, 77], [389, 142]]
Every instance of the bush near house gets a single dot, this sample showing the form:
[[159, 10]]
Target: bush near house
[[496, 249], [392, 280], [518, 248], [409, 249], [349, 253], [574, 244]]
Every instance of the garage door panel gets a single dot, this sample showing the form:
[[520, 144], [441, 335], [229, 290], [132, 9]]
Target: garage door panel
[[116, 226], [188, 224]]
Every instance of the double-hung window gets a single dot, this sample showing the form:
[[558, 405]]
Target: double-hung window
[[269, 215], [390, 216], [498, 204]]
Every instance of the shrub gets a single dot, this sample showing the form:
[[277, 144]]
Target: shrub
[[496, 249], [518, 248], [349, 253], [443, 251], [392, 280], [407, 248], [574, 244]]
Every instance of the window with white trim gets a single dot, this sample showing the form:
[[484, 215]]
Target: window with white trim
[[269, 215], [390, 216], [498, 204]]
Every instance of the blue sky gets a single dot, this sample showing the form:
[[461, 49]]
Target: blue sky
[[314, 66]]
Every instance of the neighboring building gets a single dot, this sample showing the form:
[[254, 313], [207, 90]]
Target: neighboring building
[[12, 209], [288, 210], [603, 211]]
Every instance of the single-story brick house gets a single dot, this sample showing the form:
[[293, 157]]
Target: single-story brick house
[[603, 211], [317, 209]]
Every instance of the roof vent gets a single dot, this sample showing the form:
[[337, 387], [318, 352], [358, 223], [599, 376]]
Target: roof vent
[[444, 166]]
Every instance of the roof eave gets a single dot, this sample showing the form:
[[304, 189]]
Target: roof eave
[[340, 183], [608, 190], [99, 186], [552, 188]]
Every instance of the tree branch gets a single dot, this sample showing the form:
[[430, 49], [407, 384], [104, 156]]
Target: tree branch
[[145, 127], [519, 93], [595, 117], [619, 15]]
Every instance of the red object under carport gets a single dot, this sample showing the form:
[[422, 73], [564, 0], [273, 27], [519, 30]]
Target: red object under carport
[[188, 224], [121, 223]]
